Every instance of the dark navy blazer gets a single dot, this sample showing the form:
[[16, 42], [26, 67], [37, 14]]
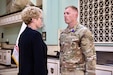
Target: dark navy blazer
[[32, 53]]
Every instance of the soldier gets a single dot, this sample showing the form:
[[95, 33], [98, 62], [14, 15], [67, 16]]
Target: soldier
[[77, 51]]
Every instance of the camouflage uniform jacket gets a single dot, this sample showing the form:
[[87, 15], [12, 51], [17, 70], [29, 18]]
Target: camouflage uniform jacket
[[77, 51]]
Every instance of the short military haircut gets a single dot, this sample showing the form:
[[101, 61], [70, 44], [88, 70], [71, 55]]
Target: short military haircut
[[73, 7], [30, 12]]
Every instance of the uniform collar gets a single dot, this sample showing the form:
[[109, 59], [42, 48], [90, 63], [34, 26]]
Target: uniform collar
[[74, 28]]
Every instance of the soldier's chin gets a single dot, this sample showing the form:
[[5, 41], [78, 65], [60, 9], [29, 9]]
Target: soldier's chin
[[66, 22]]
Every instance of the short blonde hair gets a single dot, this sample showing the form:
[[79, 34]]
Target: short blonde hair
[[30, 12], [73, 7]]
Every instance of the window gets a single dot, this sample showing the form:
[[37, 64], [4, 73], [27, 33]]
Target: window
[[97, 15]]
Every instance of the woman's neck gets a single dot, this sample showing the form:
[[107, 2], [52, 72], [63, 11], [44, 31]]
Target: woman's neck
[[32, 26]]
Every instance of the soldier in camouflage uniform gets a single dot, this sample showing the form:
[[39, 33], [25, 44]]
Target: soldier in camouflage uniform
[[77, 51]]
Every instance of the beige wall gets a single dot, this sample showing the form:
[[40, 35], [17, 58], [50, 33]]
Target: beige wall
[[11, 32]]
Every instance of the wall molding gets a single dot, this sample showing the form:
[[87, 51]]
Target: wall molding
[[9, 19]]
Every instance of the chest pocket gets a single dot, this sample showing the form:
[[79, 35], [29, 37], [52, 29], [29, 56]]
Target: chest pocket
[[74, 40]]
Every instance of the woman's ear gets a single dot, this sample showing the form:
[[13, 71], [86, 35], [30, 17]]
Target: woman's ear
[[31, 19]]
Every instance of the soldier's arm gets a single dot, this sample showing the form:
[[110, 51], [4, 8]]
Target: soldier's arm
[[87, 46]]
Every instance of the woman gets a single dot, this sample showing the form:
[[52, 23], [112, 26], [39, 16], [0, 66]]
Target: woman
[[32, 49]]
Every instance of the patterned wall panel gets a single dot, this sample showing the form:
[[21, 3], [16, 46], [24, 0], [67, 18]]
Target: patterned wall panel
[[97, 15]]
